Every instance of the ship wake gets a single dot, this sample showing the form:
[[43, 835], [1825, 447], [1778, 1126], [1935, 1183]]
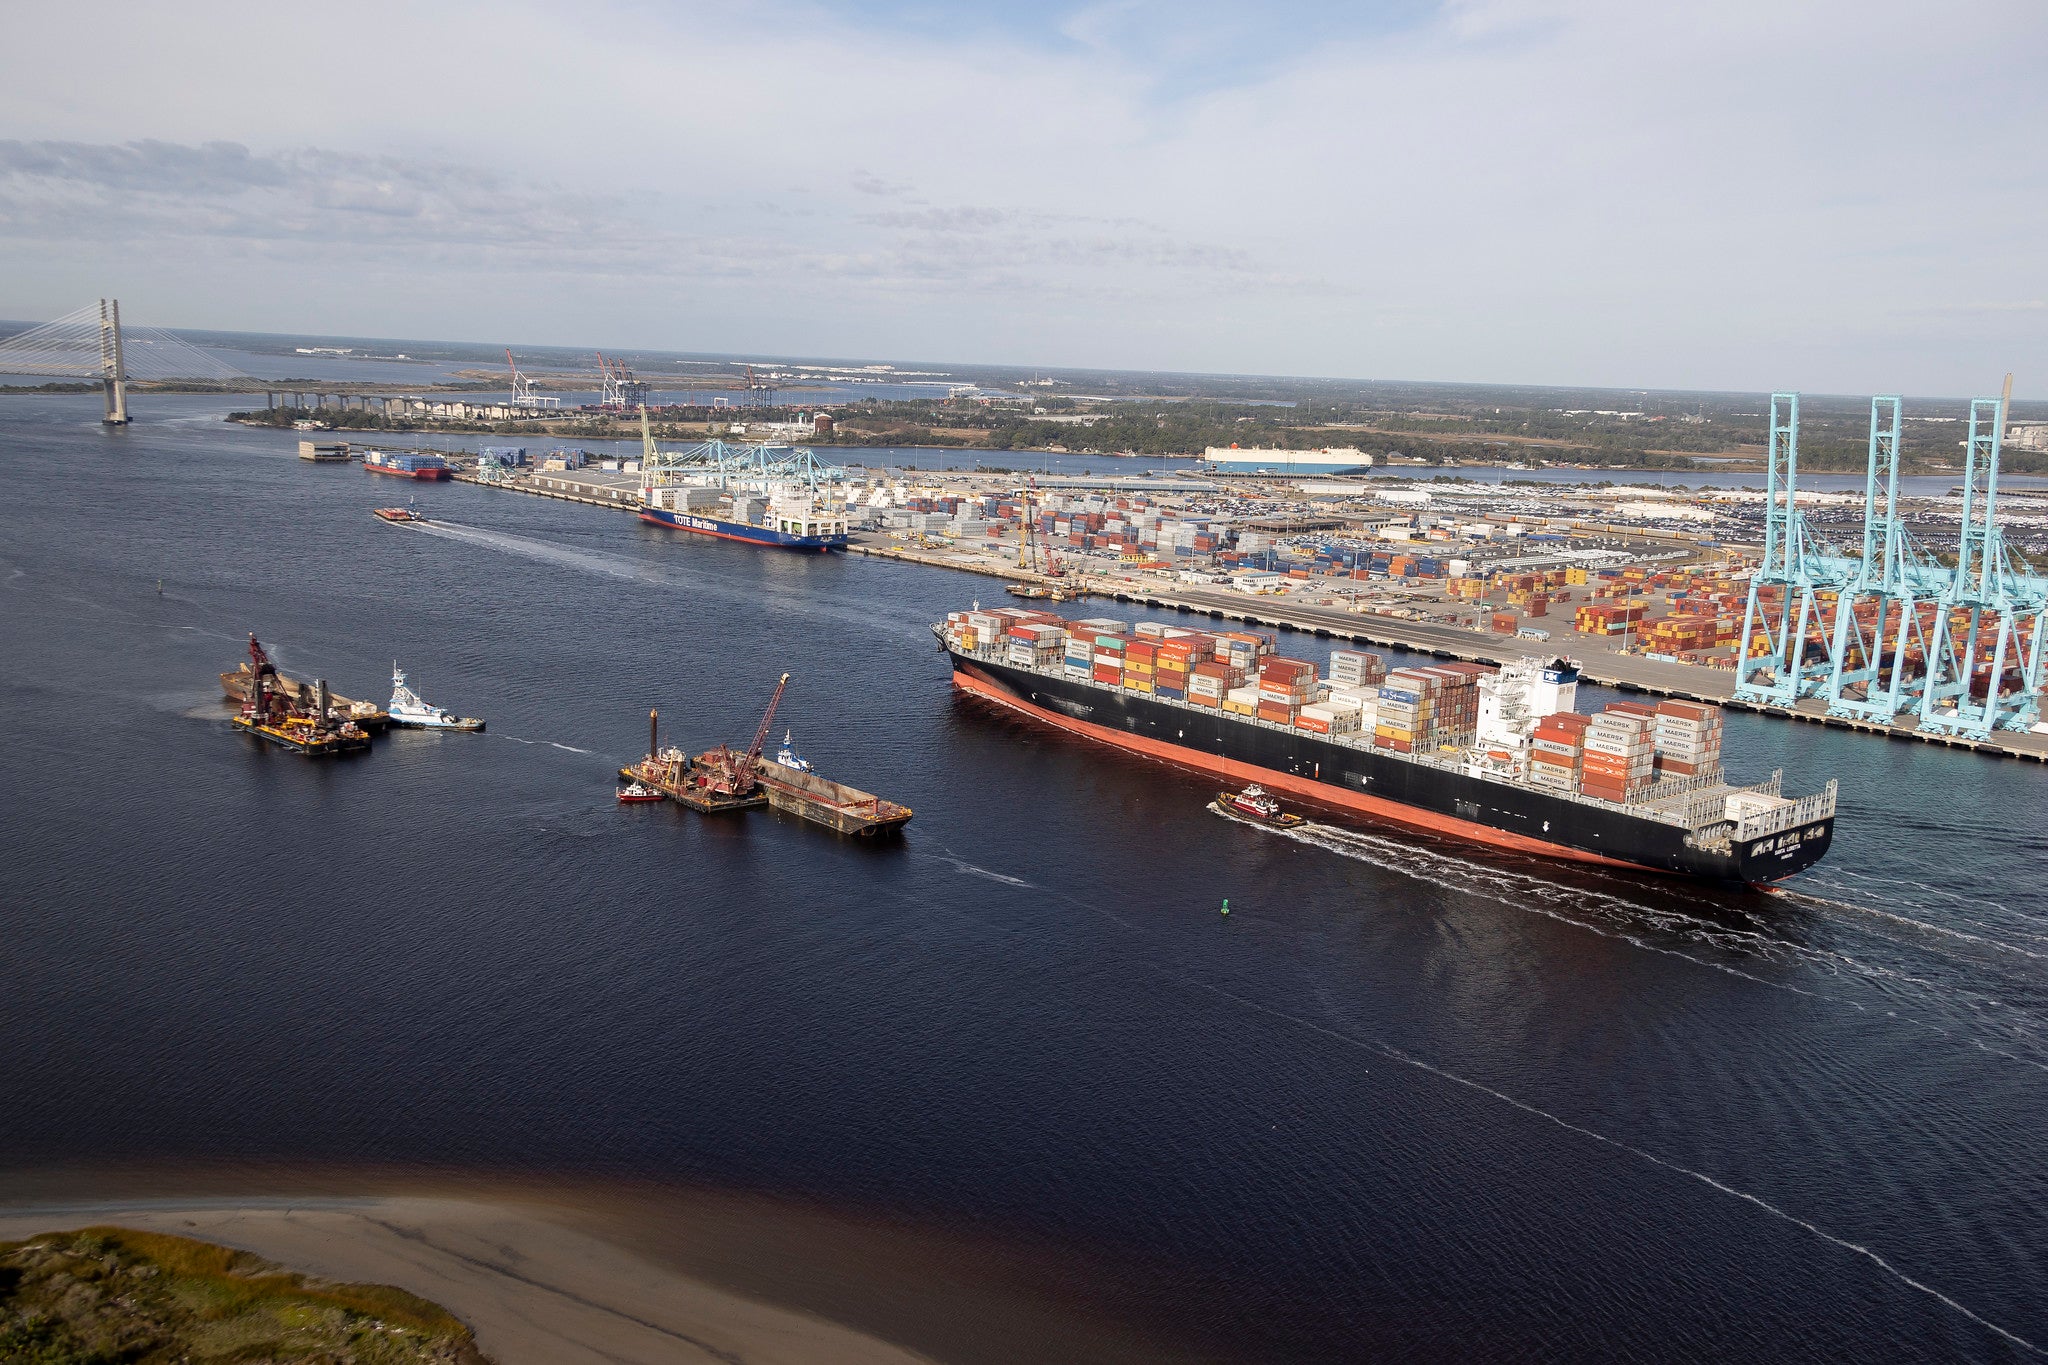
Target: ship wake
[[1876, 959]]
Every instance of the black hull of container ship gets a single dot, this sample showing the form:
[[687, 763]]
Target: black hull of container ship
[[1308, 767]]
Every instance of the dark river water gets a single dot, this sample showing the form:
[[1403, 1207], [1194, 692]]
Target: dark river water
[[1406, 1100]]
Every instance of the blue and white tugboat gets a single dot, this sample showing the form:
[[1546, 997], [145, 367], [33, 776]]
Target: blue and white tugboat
[[409, 708], [788, 757]]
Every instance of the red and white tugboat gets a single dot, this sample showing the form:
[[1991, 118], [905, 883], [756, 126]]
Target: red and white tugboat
[[638, 791], [1253, 804]]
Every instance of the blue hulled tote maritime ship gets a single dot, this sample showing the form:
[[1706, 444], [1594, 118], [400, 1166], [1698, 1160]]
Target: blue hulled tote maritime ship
[[763, 495]]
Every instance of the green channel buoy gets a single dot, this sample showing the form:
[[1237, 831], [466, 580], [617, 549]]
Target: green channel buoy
[[1226, 905]]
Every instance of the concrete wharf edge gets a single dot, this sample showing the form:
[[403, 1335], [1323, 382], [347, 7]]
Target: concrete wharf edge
[[1387, 632]]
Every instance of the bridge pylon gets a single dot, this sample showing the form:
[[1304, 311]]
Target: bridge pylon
[[113, 364]]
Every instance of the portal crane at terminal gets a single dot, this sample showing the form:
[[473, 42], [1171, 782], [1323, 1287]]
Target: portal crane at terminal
[[1887, 610], [523, 395], [1894, 632], [1795, 588], [734, 466], [1991, 619]]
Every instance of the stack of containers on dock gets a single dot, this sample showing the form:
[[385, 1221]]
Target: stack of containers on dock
[[1618, 762], [1140, 654], [1556, 748], [1608, 619], [1285, 686], [1687, 739]]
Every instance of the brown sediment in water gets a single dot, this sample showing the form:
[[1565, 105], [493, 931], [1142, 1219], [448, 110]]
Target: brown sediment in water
[[553, 1270]]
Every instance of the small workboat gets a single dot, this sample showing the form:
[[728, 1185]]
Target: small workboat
[[1254, 804], [788, 757], [409, 708], [399, 514], [638, 791]]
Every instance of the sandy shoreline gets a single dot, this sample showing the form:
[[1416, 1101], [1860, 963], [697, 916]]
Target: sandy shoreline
[[549, 1272], [533, 1289]]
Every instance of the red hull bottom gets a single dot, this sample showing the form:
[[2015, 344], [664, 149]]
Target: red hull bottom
[[1306, 789]]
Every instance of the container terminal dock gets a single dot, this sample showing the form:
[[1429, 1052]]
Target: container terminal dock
[[1757, 601]]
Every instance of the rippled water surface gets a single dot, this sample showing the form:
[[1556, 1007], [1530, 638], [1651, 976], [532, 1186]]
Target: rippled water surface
[[1406, 1099]]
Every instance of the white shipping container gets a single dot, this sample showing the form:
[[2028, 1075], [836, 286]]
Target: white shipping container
[[1339, 721], [1619, 748]]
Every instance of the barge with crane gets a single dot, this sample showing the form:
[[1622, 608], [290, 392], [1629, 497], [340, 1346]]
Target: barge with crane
[[275, 716], [239, 685], [721, 780]]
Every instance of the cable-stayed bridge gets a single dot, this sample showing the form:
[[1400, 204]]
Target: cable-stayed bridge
[[91, 344]]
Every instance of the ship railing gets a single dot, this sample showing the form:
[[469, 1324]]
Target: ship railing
[[999, 654], [1806, 810]]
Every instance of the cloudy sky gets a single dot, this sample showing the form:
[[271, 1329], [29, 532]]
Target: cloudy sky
[[1844, 196]]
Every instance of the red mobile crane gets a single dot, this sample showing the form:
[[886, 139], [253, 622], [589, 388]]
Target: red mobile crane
[[735, 775]]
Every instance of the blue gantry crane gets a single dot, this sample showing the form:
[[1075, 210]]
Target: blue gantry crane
[[1988, 638], [1876, 655], [735, 466], [1959, 648], [1796, 586]]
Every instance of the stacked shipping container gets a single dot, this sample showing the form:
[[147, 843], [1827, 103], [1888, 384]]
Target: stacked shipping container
[[1687, 739], [1556, 748], [1285, 686], [1617, 763]]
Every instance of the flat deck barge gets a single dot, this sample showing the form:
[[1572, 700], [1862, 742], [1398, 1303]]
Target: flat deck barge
[[849, 810], [302, 737]]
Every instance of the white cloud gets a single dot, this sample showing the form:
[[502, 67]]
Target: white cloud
[[1745, 194]]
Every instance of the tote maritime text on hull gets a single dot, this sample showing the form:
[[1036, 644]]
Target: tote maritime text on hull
[[1693, 825]]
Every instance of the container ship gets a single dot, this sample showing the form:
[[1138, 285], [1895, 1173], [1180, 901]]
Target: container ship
[[1500, 757], [407, 465], [1330, 460], [785, 521], [791, 518]]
